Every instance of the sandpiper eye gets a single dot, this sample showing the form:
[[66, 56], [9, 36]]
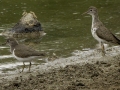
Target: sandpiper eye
[[91, 10], [8, 40]]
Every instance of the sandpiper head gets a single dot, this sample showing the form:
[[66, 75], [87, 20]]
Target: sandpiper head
[[11, 41], [92, 10]]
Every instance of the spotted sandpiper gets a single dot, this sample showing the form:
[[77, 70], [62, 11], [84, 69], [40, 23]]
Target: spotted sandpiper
[[22, 52], [99, 31]]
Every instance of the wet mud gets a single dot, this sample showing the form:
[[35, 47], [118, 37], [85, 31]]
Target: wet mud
[[101, 73]]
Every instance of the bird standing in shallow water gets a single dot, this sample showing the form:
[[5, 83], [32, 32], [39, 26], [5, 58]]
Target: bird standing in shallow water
[[99, 31], [22, 52]]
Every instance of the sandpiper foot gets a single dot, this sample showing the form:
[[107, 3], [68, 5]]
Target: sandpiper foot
[[103, 52]]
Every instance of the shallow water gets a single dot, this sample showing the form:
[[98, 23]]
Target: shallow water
[[67, 30]]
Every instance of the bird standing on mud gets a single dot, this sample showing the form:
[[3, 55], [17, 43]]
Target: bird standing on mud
[[22, 52], [99, 31]]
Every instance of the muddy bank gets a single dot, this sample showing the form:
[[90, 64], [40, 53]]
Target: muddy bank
[[86, 70]]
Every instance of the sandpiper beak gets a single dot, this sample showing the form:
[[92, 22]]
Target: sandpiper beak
[[85, 13], [3, 43]]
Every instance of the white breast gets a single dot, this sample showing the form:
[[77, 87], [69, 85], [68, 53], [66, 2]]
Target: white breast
[[93, 30]]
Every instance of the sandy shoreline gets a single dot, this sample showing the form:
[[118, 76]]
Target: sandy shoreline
[[84, 70]]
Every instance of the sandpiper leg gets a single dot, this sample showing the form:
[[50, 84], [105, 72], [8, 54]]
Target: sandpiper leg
[[30, 66], [103, 49], [23, 66]]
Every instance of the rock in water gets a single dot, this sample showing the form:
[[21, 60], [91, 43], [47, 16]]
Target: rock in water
[[27, 27]]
